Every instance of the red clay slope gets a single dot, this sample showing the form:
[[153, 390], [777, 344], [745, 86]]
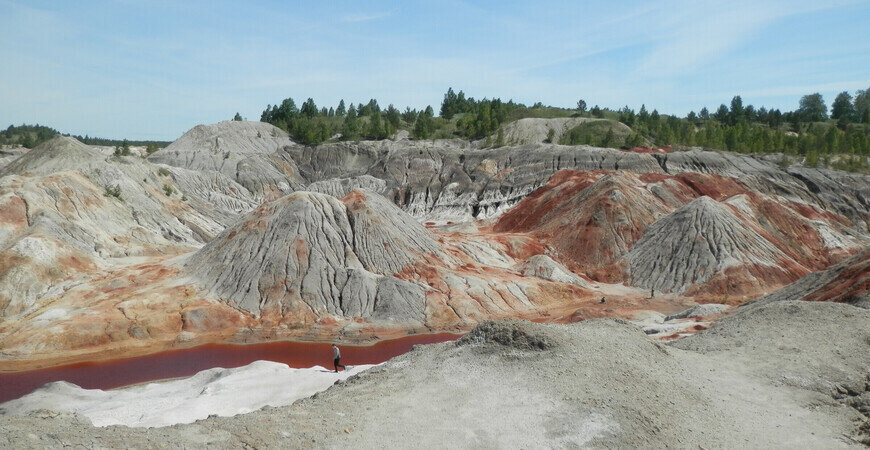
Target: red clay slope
[[592, 219]]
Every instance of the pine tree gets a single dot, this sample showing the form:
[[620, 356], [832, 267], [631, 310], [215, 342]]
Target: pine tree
[[608, 140], [627, 116], [376, 128], [424, 125], [288, 109], [350, 127], [410, 115], [309, 108], [843, 110], [393, 116], [737, 113], [597, 112], [341, 110], [449, 104], [722, 114], [862, 105]]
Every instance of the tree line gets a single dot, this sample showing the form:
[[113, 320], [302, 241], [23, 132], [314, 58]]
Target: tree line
[[807, 131], [460, 117], [26, 135], [30, 136]]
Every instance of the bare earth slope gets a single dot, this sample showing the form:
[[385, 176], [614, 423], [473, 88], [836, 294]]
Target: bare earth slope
[[756, 379], [847, 281], [701, 241], [214, 239], [308, 255]]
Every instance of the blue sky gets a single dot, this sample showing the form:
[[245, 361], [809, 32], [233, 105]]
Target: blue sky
[[152, 70]]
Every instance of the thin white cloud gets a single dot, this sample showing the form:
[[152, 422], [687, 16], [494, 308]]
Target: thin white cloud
[[365, 17], [797, 90], [688, 34]]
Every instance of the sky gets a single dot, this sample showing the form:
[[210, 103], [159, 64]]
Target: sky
[[154, 69]]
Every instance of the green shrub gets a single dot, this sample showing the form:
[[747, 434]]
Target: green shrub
[[113, 191]]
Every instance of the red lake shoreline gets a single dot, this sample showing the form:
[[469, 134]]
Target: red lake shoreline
[[115, 373]]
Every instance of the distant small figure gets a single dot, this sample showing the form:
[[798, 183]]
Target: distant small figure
[[336, 358], [602, 299], [652, 292]]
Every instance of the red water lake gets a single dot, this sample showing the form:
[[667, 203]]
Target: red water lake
[[115, 373]]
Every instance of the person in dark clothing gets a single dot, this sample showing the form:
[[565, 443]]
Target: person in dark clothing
[[336, 358]]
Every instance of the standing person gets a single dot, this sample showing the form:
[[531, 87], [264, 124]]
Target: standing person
[[336, 358]]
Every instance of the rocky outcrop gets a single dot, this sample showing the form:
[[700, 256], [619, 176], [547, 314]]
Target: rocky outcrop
[[243, 151], [451, 181], [454, 181], [704, 242], [73, 180], [68, 212], [536, 131], [842, 193], [542, 266], [339, 187]]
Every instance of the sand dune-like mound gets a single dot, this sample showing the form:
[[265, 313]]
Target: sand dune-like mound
[[7, 155], [55, 155], [310, 255], [593, 220], [702, 242]]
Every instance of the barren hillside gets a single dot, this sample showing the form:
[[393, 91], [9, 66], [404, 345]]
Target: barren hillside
[[235, 233]]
